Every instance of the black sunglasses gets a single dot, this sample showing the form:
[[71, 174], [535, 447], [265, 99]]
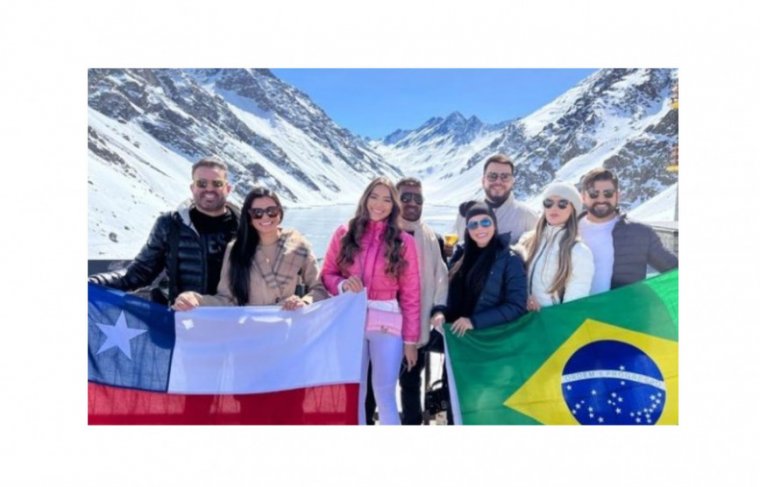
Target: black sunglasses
[[485, 223], [594, 194], [561, 204], [203, 183], [493, 176], [408, 197], [258, 213]]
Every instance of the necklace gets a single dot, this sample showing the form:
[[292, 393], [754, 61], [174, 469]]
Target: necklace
[[271, 254]]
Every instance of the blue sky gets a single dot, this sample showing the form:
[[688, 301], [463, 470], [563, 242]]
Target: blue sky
[[375, 102]]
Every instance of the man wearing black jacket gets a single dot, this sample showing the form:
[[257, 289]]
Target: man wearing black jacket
[[188, 243], [622, 249]]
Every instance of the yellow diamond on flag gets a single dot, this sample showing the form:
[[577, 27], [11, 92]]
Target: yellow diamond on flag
[[604, 375]]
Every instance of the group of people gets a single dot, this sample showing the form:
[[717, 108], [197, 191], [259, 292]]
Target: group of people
[[509, 261]]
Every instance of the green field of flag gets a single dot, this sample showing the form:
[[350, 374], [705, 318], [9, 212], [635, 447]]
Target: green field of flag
[[608, 359]]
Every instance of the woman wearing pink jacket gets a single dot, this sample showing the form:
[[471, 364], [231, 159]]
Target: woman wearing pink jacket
[[373, 252]]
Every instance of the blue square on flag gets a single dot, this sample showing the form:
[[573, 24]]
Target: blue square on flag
[[123, 349]]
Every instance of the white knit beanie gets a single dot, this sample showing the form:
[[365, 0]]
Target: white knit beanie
[[566, 191]]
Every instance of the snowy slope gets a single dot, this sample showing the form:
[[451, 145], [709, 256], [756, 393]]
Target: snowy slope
[[661, 208], [147, 127], [437, 148], [621, 119]]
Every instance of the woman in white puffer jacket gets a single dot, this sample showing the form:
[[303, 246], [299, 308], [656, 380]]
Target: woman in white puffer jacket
[[560, 266]]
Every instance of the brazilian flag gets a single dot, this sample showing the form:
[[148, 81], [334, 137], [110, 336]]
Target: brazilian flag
[[608, 359]]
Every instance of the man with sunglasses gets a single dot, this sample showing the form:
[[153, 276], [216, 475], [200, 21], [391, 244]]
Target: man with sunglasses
[[434, 285], [188, 244], [622, 249], [512, 216]]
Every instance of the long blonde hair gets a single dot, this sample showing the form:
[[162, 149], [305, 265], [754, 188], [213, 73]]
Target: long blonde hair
[[565, 266]]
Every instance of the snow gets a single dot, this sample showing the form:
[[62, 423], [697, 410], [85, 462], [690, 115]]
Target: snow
[[440, 166], [317, 224], [124, 200], [127, 204], [438, 162], [660, 208], [301, 148], [534, 123]]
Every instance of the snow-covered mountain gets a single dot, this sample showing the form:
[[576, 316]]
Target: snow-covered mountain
[[619, 118], [147, 127], [438, 147]]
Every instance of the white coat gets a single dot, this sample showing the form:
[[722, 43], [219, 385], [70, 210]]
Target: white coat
[[544, 267]]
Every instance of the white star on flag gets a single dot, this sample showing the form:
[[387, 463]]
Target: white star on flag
[[118, 335]]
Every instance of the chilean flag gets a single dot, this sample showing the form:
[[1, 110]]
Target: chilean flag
[[223, 365]]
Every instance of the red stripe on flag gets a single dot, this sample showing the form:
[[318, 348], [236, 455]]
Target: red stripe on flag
[[334, 404]]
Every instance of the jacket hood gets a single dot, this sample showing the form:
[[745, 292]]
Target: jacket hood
[[183, 209]]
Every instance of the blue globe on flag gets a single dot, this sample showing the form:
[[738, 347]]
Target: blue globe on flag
[[612, 382]]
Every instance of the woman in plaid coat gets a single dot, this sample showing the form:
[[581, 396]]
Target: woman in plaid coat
[[265, 264]]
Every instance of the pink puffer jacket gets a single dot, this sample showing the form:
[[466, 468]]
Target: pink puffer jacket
[[379, 285]]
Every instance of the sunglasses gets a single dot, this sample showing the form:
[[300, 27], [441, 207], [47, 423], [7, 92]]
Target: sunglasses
[[561, 204], [258, 213], [408, 197], [493, 176], [203, 183], [594, 194], [485, 223]]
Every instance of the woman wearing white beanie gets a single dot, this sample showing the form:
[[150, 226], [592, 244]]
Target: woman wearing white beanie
[[560, 266]]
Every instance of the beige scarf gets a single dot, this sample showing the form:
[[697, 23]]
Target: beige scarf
[[434, 282]]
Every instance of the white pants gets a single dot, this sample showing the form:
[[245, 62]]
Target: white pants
[[386, 352]]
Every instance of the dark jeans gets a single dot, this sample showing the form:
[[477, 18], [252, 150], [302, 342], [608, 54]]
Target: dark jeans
[[369, 401], [411, 385]]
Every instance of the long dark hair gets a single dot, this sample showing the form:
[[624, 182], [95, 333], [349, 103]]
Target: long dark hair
[[350, 244], [246, 241], [471, 251], [468, 276]]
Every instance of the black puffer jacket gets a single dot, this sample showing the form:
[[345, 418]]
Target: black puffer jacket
[[636, 246], [185, 273]]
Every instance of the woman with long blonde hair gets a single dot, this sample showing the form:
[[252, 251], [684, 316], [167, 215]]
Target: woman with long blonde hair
[[372, 252], [560, 266]]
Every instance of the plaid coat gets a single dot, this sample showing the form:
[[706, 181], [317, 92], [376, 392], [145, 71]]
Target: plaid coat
[[272, 283]]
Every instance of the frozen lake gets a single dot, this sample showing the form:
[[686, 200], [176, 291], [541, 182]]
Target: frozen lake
[[317, 224]]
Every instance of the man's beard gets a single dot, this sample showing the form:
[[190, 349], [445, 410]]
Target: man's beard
[[405, 215], [210, 206], [497, 201], [601, 210]]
